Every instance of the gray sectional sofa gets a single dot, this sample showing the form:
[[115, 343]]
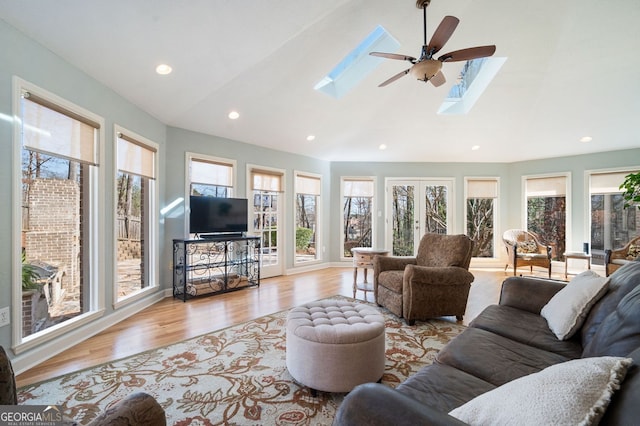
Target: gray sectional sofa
[[512, 341]]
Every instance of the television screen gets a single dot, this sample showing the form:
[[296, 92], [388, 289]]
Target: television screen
[[217, 215]]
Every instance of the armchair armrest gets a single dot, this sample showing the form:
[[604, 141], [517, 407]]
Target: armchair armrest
[[527, 293], [136, 409], [436, 276], [391, 263], [374, 404]]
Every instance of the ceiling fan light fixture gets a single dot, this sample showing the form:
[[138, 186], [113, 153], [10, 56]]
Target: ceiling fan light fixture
[[426, 69]]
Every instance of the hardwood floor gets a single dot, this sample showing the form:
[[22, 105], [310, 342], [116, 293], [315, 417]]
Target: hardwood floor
[[172, 320]]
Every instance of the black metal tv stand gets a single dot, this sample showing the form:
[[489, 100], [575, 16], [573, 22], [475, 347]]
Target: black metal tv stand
[[217, 264]]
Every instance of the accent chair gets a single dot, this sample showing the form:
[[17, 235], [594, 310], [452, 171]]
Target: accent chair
[[432, 284]]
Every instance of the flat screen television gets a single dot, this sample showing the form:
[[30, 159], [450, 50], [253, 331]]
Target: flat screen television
[[214, 215]]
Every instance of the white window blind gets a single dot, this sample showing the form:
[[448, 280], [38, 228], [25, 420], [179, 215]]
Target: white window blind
[[358, 188], [307, 185], [263, 180], [211, 173], [547, 187], [607, 183], [51, 129], [135, 157], [482, 188]]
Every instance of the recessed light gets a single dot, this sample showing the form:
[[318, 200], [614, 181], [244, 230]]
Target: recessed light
[[311, 137], [586, 139], [475, 147], [163, 69], [234, 115], [382, 147]]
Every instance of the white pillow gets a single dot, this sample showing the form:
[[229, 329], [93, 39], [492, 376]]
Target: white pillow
[[575, 392], [568, 308]]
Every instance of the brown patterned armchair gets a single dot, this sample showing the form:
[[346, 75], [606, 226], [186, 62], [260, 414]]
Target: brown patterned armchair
[[434, 283], [138, 409], [613, 259], [524, 249]]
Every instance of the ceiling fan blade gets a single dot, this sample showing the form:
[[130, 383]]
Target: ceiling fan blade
[[394, 78], [468, 54], [438, 79], [442, 35], [393, 56]]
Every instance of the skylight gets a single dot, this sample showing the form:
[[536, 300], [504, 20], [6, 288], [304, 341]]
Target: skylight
[[472, 82], [357, 64]]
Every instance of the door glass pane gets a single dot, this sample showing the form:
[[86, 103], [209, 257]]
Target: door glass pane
[[403, 218], [265, 224], [435, 209]]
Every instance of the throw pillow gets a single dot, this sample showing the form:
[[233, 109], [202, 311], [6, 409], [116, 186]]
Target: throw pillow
[[575, 392], [568, 308], [634, 252], [528, 246]]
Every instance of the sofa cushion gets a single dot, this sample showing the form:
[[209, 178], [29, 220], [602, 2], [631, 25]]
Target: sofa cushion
[[621, 282], [567, 310], [624, 408], [493, 358], [525, 327], [443, 387], [574, 392], [619, 333]]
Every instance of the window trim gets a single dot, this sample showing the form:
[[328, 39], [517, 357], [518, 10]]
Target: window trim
[[96, 227], [154, 219], [374, 238], [187, 180], [587, 193], [318, 242], [568, 204]]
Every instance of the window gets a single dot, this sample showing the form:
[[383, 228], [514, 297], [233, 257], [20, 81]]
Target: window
[[59, 200], [136, 216], [481, 208], [546, 211], [357, 213], [612, 226], [307, 220], [266, 188], [210, 176]]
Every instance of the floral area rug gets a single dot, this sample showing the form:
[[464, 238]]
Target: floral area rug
[[233, 376]]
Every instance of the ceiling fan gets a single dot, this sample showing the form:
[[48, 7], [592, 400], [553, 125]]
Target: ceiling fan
[[425, 68]]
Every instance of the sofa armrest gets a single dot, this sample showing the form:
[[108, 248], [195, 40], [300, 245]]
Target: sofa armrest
[[136, 409], [529, 294], [374, 404]]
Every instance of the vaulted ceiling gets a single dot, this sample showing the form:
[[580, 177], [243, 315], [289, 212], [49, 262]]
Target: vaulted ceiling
[[572, 70]]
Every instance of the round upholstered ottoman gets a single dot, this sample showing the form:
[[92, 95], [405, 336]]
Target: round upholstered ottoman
[[333, 345]]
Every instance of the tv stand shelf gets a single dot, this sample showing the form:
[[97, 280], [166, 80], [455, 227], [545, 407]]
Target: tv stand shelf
[[215, 265]]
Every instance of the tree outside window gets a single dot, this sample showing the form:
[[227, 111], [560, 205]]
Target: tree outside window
[[357, 214], [547, 212]]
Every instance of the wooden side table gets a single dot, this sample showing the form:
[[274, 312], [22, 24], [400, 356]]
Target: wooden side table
[[363, 258], [575, 255]]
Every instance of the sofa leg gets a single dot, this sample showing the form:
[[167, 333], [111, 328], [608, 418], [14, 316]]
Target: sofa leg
[[410, 322], [458, 317]]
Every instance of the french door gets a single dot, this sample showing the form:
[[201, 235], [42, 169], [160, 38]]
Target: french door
[[415, 207], [267, 218]]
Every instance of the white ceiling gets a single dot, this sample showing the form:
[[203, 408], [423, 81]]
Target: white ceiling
[[573, 70]]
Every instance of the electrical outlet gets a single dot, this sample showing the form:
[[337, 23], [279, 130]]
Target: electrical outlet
[[4, 316]]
